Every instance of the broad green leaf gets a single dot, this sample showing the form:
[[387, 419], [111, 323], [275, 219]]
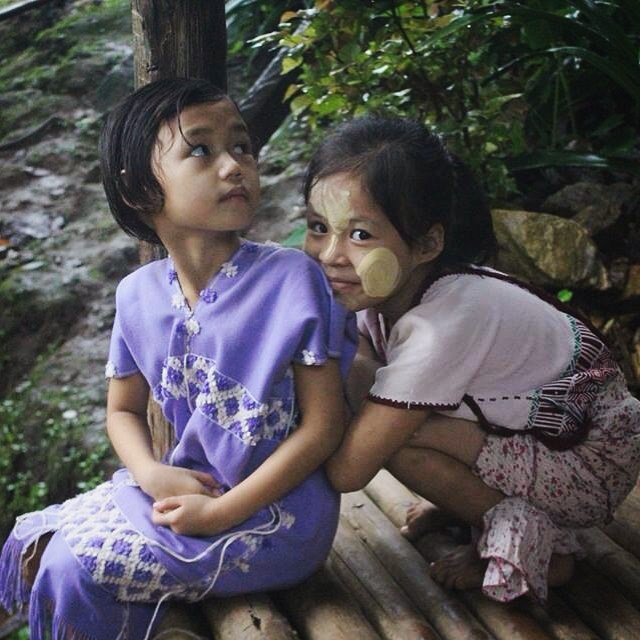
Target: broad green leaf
[[300, 103], [289, 64], [329, 104]]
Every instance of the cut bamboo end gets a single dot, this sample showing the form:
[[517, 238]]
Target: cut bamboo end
[[248, 617]]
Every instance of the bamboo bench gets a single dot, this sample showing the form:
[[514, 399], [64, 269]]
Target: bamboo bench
[[375, 585]]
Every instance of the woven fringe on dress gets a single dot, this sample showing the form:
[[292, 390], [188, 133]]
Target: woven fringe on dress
[[44, 625], [14, 592]]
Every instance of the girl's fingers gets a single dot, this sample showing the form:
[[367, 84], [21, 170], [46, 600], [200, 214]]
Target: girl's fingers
[[166, 504], [211, 485], [206, 479]]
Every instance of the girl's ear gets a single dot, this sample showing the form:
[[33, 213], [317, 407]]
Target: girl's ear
[[430, 246]]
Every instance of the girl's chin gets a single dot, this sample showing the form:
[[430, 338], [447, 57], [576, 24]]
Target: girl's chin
[[353, 301]]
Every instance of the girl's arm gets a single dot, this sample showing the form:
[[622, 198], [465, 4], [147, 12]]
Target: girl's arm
[[361, 375], [373, 436], [319, 392], [130, 436]]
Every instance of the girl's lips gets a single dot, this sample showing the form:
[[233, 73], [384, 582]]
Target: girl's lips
[[236, 192], [342, 285]]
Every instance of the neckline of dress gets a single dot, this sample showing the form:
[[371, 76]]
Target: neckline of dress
[[232, 268]]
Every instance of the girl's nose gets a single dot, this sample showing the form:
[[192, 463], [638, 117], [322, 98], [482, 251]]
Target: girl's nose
[[229, 167], [332, 252]]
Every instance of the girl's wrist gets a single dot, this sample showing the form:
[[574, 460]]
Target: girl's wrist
[[223, 513], [143, 472]]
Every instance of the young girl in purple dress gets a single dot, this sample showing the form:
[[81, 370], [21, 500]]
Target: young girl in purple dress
[[242, 347], [498, 405]]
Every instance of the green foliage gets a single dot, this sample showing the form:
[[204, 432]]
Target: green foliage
[[251, 18], [499, 80], [87, 29], [43, 455]]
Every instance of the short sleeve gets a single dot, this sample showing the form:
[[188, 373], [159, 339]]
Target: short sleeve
[[326, 329], [121, 363], [434, 352]]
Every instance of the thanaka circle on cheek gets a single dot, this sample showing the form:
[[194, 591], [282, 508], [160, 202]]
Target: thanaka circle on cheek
[[379, 272]]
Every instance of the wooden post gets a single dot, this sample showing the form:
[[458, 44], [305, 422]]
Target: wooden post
[[179, 39], [172, 39]]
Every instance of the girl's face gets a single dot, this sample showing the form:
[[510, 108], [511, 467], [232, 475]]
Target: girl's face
[[361, 252], [210, 183]]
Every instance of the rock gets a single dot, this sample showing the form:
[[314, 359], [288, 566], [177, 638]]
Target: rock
[[547, 250], [594, 206], [281, 205], [117, 84]]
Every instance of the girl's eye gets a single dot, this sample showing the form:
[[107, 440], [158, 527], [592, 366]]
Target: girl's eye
[[360, 234], [199, 150], [317, 227], [242, 148]]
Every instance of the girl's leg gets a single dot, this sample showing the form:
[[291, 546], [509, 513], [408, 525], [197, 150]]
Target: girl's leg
[[441, 455]]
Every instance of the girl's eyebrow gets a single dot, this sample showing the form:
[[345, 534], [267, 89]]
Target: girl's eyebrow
[[363, 220], [312, 212], [198, 130]]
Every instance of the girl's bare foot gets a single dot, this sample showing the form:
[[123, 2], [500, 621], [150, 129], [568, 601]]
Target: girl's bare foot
[[424, 517], [461, 569]]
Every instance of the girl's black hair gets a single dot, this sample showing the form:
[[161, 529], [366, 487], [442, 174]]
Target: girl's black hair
[[128, 139], [408, 172]]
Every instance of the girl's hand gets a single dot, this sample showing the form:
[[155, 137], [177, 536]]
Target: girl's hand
[[163, 481], [190, 515]]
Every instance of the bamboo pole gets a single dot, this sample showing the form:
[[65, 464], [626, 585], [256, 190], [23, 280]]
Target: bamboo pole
[[407, 567], [384, 604], [322, 609], [249, 617], [610, 559], [603, 608], [559, 620], [181, 622]]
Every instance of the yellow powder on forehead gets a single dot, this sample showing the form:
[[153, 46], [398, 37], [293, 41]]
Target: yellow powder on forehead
[[332, 204], [379, 272]]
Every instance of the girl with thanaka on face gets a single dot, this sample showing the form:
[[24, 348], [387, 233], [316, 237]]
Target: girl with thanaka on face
[[495, 403], [233, 340]]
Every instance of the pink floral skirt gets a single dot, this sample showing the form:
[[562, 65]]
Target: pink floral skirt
[[551, 493]]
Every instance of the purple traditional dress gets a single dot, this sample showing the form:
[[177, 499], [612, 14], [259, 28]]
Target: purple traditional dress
[[563, 441], [223, 376]]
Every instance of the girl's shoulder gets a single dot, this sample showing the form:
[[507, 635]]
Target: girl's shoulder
[[482, 301], [287, 264], [280, 256], [488, 291], [148, 277]]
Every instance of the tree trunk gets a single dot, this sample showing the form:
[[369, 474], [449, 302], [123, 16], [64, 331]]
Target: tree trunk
[[173, 39], [179, 39]]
